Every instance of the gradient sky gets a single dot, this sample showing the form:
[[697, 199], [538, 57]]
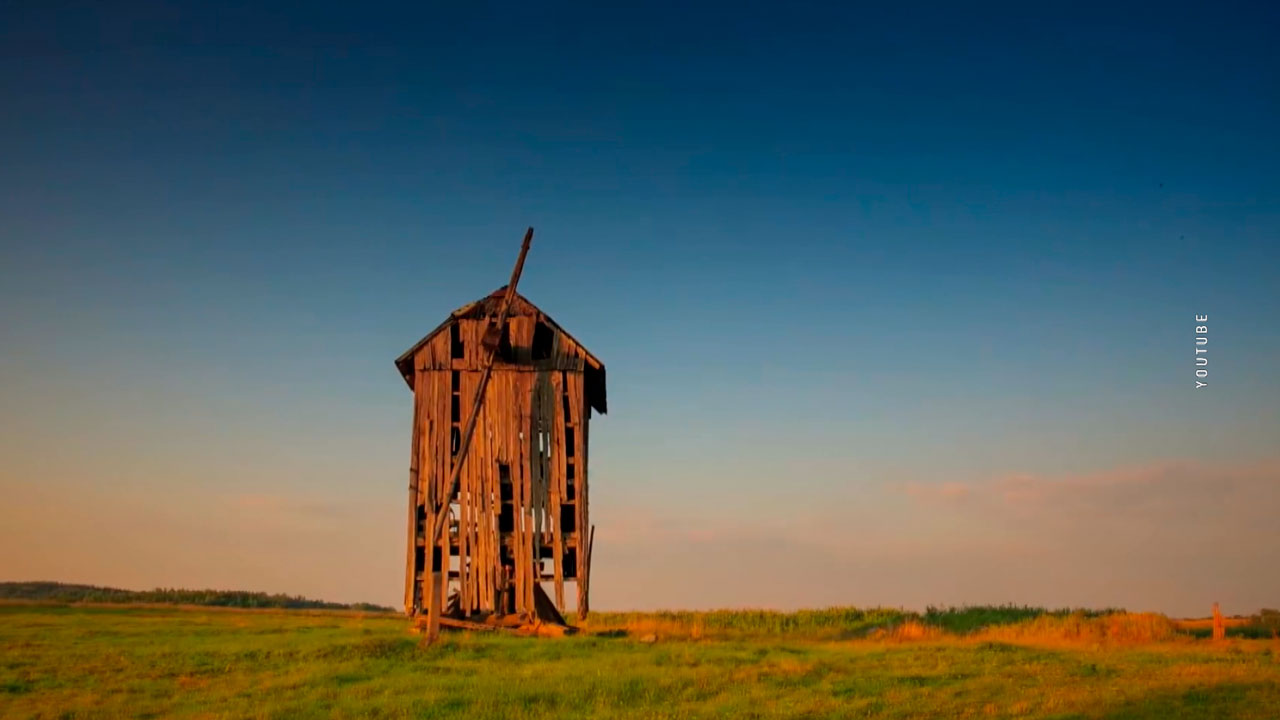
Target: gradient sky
[[897, 303]]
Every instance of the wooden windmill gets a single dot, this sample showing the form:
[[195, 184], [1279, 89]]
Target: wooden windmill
[[498, 493]]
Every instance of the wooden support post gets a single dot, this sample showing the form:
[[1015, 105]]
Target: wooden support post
[[411, 580], [585, 582], [557, 486], [434, 606], [1219, 627], [583, 493]]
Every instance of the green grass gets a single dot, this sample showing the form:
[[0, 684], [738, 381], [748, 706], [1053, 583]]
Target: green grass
[[845, 623], [835, 623], [1250, 631], [81, 662], [970, 619]]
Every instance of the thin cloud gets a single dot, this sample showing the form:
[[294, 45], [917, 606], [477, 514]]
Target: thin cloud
[[1169, 536], [1155, 487], [289, 505], [947, 491]]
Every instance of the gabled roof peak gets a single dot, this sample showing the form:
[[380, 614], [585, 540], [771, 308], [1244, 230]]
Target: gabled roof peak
[[488, 306]]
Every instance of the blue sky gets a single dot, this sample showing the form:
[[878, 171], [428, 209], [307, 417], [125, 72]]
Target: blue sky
[[827, 253]]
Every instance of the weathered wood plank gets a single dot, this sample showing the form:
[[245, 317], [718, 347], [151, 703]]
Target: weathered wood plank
[[464, 513], [415, 440], [557, 485], [581, 472]]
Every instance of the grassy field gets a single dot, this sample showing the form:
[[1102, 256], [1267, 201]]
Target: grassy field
[[85, 662]]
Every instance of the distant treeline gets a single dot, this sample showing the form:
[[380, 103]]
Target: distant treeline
[[71, 593], [835, 622], [992, 622]]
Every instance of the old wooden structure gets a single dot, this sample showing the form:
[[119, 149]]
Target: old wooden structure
[[498, 494]]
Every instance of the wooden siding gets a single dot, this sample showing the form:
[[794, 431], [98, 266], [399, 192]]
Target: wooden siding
[[532, 430], [523, 312]]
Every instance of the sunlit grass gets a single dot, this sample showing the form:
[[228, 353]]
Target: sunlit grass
[[103, 662], [845, 623], [828, 623]]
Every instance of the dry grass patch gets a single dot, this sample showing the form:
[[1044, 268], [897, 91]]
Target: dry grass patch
[[1113, 628]]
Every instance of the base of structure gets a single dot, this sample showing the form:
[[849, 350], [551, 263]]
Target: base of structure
[[515, 624], [544, 621]]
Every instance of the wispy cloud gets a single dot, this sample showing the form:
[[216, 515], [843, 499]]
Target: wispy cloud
[[288, 505], [1163, 489], [1168, 535], [947, 491]]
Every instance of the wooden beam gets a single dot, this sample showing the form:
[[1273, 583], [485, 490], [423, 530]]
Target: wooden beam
[[586, 579], [410, 581], [442, 512], [468, 625]]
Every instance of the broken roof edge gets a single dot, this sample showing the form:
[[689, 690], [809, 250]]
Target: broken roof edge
[[404, 363]]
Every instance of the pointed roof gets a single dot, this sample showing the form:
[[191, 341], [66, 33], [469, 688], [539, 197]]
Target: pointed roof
[[487, 306]]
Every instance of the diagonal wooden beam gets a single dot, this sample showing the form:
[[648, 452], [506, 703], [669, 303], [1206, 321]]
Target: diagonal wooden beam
[[442, 513]]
